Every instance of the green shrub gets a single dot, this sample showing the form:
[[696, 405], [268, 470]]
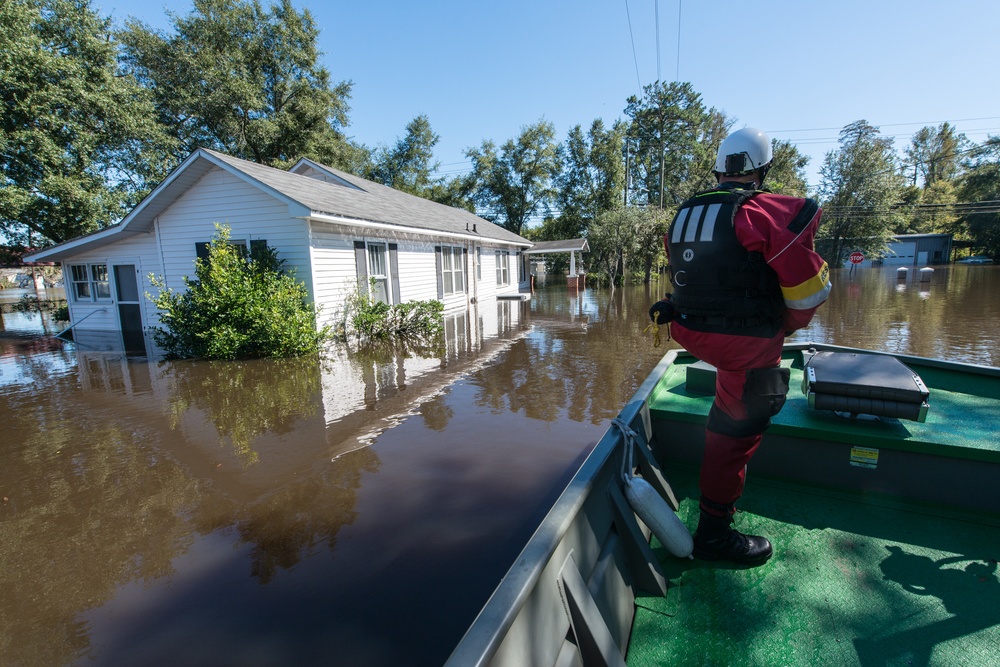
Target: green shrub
[[414, 320], [238, 306]]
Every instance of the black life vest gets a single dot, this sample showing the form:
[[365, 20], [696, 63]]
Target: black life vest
[[718, 285]]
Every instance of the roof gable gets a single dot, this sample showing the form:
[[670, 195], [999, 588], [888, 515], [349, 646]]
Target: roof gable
[[311, 190]]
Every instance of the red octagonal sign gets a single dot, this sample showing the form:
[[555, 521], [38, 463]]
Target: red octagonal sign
[[857, 257]]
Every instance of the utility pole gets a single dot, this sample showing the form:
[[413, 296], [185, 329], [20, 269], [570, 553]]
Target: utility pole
[[627, 172]]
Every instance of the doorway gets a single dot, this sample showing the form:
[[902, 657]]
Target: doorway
[[129, 309]]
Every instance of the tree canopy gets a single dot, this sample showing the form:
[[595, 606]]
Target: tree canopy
[[71, 127], [673, 141], [860, 187], [244, 80], [981, 183], [94, 118], [409, 164], [515, 181], [593, 176]]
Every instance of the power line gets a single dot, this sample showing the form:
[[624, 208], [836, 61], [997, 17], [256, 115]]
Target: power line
[[677, 76], [956, 208], [656, 15], [926, 122], [632, 37]]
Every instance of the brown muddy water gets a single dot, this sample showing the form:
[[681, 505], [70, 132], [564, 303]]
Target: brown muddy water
[[353, 511]]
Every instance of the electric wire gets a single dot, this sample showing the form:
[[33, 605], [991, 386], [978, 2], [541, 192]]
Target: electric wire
[[677, 75], [632, 37], [656, 17]]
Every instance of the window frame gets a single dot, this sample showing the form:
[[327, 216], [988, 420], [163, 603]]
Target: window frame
[[383, 278], [452, 270], [503, 267], [98, 288]]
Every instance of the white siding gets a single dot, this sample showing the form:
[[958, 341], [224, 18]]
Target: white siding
[[488, 286], [334, 272], [102, 316], [220, 197], [334, 268], [417, 272]]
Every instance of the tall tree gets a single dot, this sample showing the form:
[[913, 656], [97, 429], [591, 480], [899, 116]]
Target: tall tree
[[860, 186], [626, 239], [246, 81], [981, 185], [612, 241], [515, 183], [936, 154], [673, 140], [934, 159], [70, 124], [408, 165], [593, 176], [787, 174]]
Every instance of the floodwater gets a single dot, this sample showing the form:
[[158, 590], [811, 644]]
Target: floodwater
[[353, 511]]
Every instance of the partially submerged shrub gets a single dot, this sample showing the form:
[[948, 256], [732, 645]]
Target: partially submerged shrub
[[238, 306], [375, 320]]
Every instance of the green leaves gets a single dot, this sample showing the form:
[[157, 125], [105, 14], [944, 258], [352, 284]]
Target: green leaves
[[514, 183], [413, 321], [673, 142], [71, 123], [238, 306], [245, 81], [859, 189]]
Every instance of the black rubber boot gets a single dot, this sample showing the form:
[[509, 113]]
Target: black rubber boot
[[716, 539]]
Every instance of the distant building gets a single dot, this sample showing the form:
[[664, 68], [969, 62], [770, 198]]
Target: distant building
[[913, 250]]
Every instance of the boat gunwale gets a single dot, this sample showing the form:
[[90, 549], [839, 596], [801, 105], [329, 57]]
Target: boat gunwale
[[487, 632]]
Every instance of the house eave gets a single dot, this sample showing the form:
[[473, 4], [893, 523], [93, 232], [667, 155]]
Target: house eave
[[67, 249], [371, 224]]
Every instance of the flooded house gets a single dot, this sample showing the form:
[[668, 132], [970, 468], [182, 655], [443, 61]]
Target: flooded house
[[336, 231]]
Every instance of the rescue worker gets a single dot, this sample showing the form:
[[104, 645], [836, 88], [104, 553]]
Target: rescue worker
[[744, 275]]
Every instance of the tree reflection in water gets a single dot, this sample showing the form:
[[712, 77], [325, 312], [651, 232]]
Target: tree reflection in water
[[120, 476]]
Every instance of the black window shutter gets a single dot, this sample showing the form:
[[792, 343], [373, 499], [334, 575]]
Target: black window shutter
[[437, 264], [201, 250], [362, 262], [394, 271]]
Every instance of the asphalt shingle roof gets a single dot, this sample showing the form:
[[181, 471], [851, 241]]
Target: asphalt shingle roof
[[370, 202]]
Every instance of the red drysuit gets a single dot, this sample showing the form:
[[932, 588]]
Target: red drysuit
[[748, 390]]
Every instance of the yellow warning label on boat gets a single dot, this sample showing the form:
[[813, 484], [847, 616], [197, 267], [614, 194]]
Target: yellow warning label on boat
[[864, 457]]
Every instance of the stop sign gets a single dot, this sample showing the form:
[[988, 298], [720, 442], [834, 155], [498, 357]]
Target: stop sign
[[857, 257]]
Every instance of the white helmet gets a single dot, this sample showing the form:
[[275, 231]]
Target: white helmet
[[743, 152]]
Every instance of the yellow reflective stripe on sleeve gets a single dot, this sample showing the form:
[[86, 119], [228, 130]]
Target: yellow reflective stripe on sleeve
[[810, 293]]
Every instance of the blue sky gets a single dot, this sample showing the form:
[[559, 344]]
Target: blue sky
[[798, 69]]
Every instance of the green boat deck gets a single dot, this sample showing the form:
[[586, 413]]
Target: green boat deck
[[858, 578], [962, 422], [852, 582]]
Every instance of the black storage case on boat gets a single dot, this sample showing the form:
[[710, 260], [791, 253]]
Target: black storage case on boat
[[868, 384]]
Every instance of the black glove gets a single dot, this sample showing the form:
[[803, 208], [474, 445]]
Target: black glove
[[662, 312]]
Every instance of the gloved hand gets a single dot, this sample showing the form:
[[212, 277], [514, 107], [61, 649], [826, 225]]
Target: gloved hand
[[662, 311]]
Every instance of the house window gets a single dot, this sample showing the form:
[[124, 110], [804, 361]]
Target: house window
[[201, 249], [503, 267], [452, 271], [90, 282], [378, 271]]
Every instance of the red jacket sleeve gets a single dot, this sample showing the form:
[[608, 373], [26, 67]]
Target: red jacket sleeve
[[783, 229]]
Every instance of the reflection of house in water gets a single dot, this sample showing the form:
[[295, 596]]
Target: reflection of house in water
[[366, 392], [284, 414]]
